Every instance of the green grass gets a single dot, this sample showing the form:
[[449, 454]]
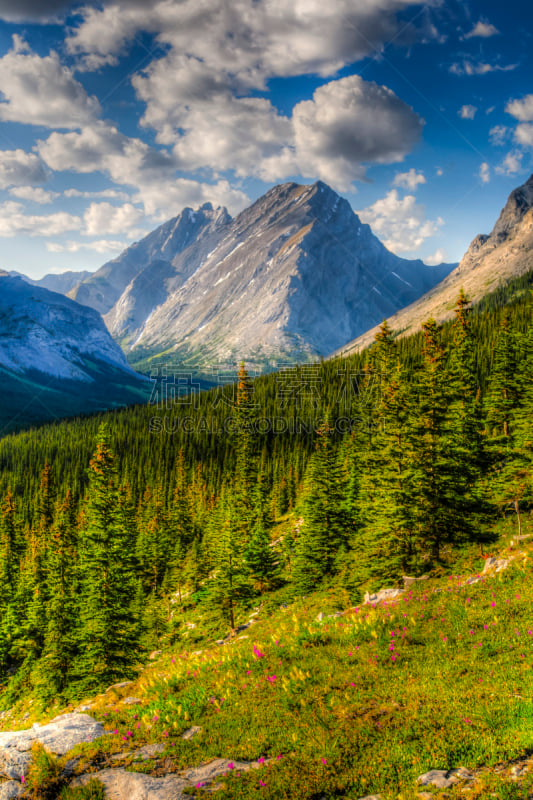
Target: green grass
[[345, 707], [352, 705]]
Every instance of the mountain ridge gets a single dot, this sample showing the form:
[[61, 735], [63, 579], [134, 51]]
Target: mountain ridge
[[57, 358], [291, 277], [490, 260]]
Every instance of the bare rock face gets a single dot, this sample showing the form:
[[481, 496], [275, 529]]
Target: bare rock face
[[290, 278], [63, 282], [45, 331], [59, 736], [129, 273], [11, 789], [293, 276], [122, 785], [490, 260]]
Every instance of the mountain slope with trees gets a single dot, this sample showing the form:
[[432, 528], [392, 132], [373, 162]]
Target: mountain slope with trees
[[491, 261], [332, 475]]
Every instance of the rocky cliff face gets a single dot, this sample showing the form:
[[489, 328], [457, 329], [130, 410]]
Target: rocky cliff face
[[62, 282], [293, 276], [504, 254], [49, 333], [57, 359], [105, 287]]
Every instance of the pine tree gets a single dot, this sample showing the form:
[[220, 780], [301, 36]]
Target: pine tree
[[36, 565], [504, 388], [386, 546], [109, 630], [325, 529], [9, 568], [512, 477], [466, 425], [245, 456], [262, 562], [54, 669], [230, 582], [508, 477], [434, 477]]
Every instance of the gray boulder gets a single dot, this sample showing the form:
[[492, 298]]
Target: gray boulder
[[383, 594], [10, 789], [59, 736], [122, 785], [443, 779], [495, 564]]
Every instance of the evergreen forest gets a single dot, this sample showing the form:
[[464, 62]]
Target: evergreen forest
[[348, 473]]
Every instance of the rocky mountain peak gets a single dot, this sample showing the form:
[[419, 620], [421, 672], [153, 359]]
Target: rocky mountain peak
[[104, 288], [518, 204]]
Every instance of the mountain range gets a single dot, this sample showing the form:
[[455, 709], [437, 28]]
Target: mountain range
[[293, 277], [491, 260], [57, 358], [61, 282]]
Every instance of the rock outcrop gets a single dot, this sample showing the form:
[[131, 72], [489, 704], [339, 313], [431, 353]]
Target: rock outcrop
[[122, 785], [59, 736]]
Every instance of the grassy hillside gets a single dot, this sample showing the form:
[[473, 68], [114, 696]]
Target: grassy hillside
[[331, 700]]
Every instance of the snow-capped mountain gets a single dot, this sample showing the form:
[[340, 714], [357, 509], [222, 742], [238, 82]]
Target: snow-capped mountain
[[294, 276]]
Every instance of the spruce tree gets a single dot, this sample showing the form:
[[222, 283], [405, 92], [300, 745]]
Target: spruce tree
[[262, 562], [504, 387], [55, 667], [386, 546], [466, 427], [9, 568], [434, 478], [245, 456], [325, 530], [109, 630], [230, 582]]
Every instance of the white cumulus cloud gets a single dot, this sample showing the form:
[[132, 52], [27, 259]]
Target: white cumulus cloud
[[409, 180], [467, 112], [15, 221], [522, 110], [440, 256], [113, 194], [512, 163], [482, 29], [247, 40], [102, 219], [498, 134], [400, 223], [101, 246], [18, 168], [484, 172], [469, 67], [41, 91], [348, 123], [36, 194]]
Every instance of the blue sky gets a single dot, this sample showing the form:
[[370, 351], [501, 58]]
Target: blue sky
[[116, 115]]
